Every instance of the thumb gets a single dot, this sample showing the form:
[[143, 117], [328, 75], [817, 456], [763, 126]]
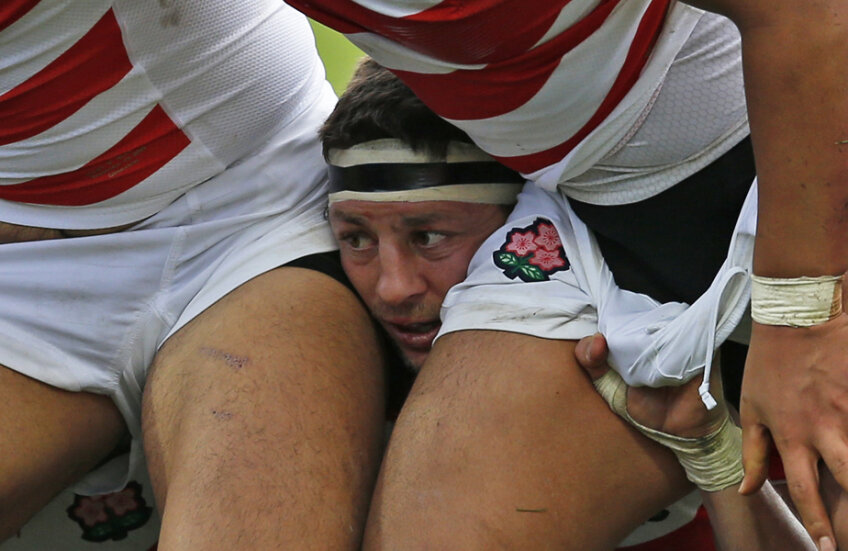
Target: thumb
[[591, 353], [755, 457]]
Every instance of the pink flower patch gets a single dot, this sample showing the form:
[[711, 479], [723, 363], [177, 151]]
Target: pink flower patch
[[547, 260], [91, 510], [111, 516], [522, 243], [532, 253], [122, 502], [548, 237]]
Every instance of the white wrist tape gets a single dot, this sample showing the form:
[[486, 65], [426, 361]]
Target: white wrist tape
[[712, 462], [795, 302]]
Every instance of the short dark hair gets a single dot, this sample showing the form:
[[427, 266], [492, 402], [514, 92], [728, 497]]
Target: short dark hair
[[378, 105]]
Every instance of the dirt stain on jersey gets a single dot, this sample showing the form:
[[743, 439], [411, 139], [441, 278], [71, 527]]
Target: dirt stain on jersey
[[171, 15]]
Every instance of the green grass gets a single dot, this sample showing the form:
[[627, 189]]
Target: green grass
[[338, 54]]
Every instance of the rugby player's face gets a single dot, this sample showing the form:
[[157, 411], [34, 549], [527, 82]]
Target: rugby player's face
[[403, 257]]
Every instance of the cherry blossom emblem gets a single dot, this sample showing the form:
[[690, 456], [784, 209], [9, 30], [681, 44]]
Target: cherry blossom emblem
[[110, 516], [532, 253]]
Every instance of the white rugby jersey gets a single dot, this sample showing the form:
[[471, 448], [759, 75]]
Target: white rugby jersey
[[552, 87], [111, 109]]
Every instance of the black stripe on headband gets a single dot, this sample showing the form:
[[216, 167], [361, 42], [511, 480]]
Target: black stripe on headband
[[408, 176]]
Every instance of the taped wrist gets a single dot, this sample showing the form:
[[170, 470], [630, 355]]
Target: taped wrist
[[712, 462], [797, 301]]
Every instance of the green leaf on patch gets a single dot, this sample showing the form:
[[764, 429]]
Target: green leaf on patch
[[508, 259], [532, 272]]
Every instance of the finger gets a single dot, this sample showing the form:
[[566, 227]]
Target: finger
[[802, 479], [756, 443], [591, 353], [583, 351], [834, 452]]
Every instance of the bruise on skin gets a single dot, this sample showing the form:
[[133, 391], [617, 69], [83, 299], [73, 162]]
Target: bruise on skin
[[231, 360], [222, 415]]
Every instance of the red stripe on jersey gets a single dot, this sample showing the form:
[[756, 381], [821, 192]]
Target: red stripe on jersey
[[501, 87], [457, 31], [148, 147], [94, 64], [696, 535], [637, 56], [337, 19], [12, 10]]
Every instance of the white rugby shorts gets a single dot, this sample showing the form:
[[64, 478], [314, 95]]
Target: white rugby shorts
[[89, 313], [542, 274]]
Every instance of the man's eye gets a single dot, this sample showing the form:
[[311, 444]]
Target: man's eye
[[429, 238], [357, 241]]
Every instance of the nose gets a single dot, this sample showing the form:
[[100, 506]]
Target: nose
[[400, 278]]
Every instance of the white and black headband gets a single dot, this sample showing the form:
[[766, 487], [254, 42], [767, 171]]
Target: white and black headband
[[389, 170]]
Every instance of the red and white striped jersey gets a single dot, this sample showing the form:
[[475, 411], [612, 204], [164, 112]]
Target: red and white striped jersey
[[548, 87], [111, 109], [527, 79]]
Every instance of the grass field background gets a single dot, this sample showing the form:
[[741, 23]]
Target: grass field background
[[338, 54]]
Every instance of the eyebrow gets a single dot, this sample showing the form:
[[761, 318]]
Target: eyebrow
[[422, 219], [348, 218], [411, 221]]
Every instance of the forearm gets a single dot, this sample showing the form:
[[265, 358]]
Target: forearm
[[761, 521], [794, 54], [798, 107]]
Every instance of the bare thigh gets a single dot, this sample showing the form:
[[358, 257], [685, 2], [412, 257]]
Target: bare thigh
[[263, 419], [49, 439], [504, 444]]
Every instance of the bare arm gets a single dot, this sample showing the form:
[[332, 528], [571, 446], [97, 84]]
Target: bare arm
[[794, 54], [761, 521], [796, 381]]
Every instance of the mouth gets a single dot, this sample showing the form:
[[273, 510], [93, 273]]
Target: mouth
[[416, 336]]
